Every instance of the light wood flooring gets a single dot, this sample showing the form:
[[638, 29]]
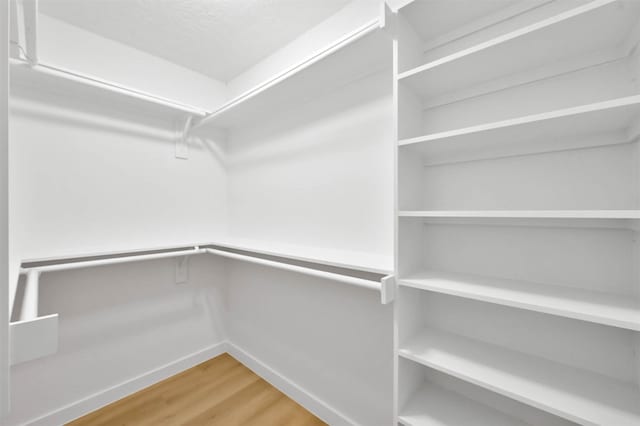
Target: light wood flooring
[[220, 391]]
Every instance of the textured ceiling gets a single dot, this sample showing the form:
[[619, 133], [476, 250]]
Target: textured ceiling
[[218, 38]]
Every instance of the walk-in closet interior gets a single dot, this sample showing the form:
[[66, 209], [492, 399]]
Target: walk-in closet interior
[[418, 213]]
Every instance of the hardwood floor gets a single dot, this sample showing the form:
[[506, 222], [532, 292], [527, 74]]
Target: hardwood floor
[[220, 391]]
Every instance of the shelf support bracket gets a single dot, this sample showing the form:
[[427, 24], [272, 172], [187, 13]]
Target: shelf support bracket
[[30, 298], [182, 137], [27, 20], [387, 289], [182, 270]]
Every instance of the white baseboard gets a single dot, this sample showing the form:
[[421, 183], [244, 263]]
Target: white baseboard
[[100, 399], [309, 401]]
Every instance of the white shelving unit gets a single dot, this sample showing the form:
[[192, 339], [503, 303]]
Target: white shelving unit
[[576, 395], [568, 34], [518, 212], [434, 406]]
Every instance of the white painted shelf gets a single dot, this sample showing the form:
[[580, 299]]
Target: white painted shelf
[[357, 55], [433, 405], [524, 214], [532, 133], [64, 82], [436, 23], [597, 307], [573, 394], [566, 35], [360, 261]]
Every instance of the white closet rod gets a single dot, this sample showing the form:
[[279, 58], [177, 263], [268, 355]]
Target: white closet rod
[[56, 72], [29, 308], [110, 261], [360, 282]]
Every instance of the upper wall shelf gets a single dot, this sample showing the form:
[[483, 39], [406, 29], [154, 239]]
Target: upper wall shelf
[[567, 35], [555, 130], [49, 78], [358, 54]]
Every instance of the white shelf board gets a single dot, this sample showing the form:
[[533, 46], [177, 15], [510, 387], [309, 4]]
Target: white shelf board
[[566, 35], [576, 395], [532, 133], [360, 261], [432, 405], [597, 307], [357, 55], [47, 78], [524, 214], [436, 22]]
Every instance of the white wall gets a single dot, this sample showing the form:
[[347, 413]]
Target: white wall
[[320, 175], [331, 339], [118, 323], [4, 207], [92, 177]]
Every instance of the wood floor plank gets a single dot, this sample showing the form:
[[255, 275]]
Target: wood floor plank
[[147, 402], [285, 413], [220, 391]]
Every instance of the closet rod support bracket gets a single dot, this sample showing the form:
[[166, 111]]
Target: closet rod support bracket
[[183, 127], [27, 30], [387, 289], [30, 299]]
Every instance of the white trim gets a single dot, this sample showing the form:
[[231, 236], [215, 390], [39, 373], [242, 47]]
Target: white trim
[[112, 394], [309, 401]]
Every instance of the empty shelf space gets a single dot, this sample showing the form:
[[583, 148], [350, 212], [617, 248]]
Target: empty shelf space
[[566, 35], [524, 214], [531, 133], [359, 261], [597, 307], [432, 405], [576, 395], [358, 54]]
